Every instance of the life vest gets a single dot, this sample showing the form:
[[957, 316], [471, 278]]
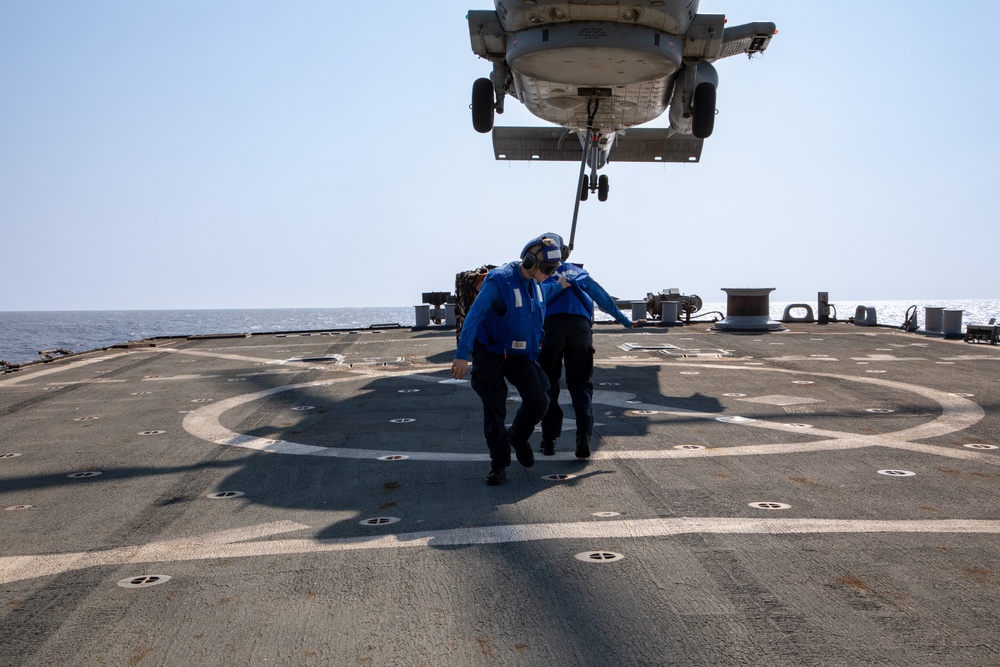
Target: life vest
[[573, 301], [518, 329]]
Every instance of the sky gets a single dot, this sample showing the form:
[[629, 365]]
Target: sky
[[309, 153]]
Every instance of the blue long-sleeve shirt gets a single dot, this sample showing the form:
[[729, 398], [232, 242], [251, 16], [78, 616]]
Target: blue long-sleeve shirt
[[603, 300], [488, 295]]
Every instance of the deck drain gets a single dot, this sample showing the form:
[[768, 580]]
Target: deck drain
[[734, 420], [408, 391], [302, 408], [799, 425], [558, 477], [85, 419], [897, 473], [734, 395], [599, 556], [393, 457], [15, 508], [979, 446], [803, 382], [610, 384], [379, 521], [202, 400], [223, 495], [879, 411], [140, 393], [236, 380], [402, 420], [85, 474], [10, 455], [770, 506], [690, 372], [151, 432], [689, 448], [606, 514], [872, 371], [144, 581]]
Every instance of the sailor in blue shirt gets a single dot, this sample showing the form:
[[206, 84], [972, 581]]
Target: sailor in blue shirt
[[502, 335], [569, 319]]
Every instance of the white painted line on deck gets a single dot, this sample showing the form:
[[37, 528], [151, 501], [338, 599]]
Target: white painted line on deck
[[235, 543]]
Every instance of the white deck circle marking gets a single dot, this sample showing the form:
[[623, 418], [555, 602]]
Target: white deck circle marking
[[766, 505], [144, 581], [897, 473], [380, 521], [599, 556], [957, 414]]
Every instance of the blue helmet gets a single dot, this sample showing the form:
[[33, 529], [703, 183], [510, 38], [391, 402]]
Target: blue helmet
[[563, 250], [542, 252]]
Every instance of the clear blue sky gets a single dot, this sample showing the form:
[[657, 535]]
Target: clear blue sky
[[245, 154]]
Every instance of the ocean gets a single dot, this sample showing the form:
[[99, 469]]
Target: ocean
[[24, 334]]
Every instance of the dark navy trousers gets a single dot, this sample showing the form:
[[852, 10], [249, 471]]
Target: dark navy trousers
[[490, 374], [569, 341]]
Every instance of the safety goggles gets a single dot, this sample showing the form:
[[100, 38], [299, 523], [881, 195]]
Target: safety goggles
[[548, 269]]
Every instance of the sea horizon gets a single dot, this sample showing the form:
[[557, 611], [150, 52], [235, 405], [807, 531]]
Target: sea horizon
[[23, 334]]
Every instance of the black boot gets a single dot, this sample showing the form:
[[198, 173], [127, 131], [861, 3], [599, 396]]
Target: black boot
[[548, 446], [522, 450], [582, 445], [496, 476]]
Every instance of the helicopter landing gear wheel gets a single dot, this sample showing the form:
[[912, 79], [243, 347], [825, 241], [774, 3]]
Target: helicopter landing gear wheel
[[483, 105], [602, 188], [704, 110]]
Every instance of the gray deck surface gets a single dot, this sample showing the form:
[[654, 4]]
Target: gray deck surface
[[653, 552]]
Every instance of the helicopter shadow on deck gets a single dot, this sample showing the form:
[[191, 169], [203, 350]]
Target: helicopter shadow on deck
[[434, 426]]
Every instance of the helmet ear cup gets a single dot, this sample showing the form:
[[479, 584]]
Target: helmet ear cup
[[529, 262]]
